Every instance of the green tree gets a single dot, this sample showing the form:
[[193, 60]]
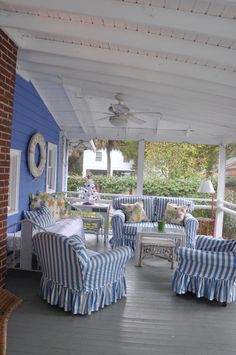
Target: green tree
[[75, 161], [109, 145], [173, 160], [129, 149]]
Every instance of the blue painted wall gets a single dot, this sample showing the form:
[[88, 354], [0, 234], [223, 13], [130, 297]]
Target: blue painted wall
[[30, 115]]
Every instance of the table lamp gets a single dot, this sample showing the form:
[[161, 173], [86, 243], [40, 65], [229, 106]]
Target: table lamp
[[206, 187]]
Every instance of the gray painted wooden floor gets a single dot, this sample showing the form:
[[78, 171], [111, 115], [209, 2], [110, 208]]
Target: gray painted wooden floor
[[151, 320]]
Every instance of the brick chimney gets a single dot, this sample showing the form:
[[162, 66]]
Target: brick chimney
[[8, 55]]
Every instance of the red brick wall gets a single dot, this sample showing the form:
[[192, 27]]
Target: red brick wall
[[8, 53]]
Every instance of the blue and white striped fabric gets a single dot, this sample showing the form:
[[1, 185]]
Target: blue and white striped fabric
[[207, 274], [215, 244], [125, 233], [161, 202], [41, 216], [76, 279]]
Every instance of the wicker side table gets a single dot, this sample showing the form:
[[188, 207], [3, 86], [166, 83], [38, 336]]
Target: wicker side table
[[164, 248], [8, 302]]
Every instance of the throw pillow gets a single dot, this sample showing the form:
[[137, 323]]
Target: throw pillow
[[62, 204], [175, 214], [46, 199], [41, 216], [134, 213]]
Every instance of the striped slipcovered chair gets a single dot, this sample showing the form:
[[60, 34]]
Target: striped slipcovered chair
[[77, 279], [208, 271]]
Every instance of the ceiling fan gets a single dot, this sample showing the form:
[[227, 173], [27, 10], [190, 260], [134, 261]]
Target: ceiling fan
[[119, 114]]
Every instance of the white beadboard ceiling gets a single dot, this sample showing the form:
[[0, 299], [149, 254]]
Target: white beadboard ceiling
[[176, 57]]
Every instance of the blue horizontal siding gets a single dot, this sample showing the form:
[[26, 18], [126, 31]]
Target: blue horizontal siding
[[30, 115]]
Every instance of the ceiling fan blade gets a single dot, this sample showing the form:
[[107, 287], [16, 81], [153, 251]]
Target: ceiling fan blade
[[136, 120], [146, 112], [102, 119]]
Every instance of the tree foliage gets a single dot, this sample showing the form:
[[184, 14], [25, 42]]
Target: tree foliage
[[109, 145], [75, 162], [175, 160], [129, 149]]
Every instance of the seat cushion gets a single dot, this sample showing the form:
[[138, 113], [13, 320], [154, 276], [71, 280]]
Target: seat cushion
[[68, 227]]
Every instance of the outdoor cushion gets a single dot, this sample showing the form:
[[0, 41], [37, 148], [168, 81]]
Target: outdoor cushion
[[175, 214], [41, 216], [134, 212], [148, 203], [56, 203]]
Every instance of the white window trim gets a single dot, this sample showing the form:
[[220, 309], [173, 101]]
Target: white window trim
[[15, 153], [52, 147]]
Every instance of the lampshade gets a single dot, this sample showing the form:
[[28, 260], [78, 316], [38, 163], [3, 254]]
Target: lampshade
[[206, 187]]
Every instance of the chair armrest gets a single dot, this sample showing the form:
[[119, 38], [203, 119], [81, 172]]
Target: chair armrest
[[119, 216], [215, 244], [117, 222], [106, 268], [191, 226], [217, 265]]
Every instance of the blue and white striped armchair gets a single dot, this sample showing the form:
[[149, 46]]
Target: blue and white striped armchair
[[208, 271], [77, 279]]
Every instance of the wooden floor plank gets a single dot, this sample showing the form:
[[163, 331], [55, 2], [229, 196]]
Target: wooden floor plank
[[151, 320]]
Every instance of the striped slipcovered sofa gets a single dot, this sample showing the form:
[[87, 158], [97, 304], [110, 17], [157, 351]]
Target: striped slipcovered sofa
[[125, 233], [208, 271], [78, 279]]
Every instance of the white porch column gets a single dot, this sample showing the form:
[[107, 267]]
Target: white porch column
[[220, 192], [140, 169], [62, 163]]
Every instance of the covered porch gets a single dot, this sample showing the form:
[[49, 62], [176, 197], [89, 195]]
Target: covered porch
[[128, 70], [147, 71]]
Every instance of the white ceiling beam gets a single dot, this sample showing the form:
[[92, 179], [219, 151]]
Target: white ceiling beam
[[143, 14], [173, 108], [163, 67], [210, 92], [100, 55], [119, 37], [162, 88], [84, 119]]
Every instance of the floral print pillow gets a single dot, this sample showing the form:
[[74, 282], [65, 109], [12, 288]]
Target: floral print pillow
[[134, 213], [175, 214], [55, 202]]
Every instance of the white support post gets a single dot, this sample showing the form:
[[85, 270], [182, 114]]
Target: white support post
[[220, 192], [140, 169]]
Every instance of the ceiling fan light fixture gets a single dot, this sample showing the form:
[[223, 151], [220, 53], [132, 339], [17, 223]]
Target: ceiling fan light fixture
[[117, 121]]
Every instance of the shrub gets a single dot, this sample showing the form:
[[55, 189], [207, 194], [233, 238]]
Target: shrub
[[127, 185]]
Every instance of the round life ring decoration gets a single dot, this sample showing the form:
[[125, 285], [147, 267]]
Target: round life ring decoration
[[36, 170]]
